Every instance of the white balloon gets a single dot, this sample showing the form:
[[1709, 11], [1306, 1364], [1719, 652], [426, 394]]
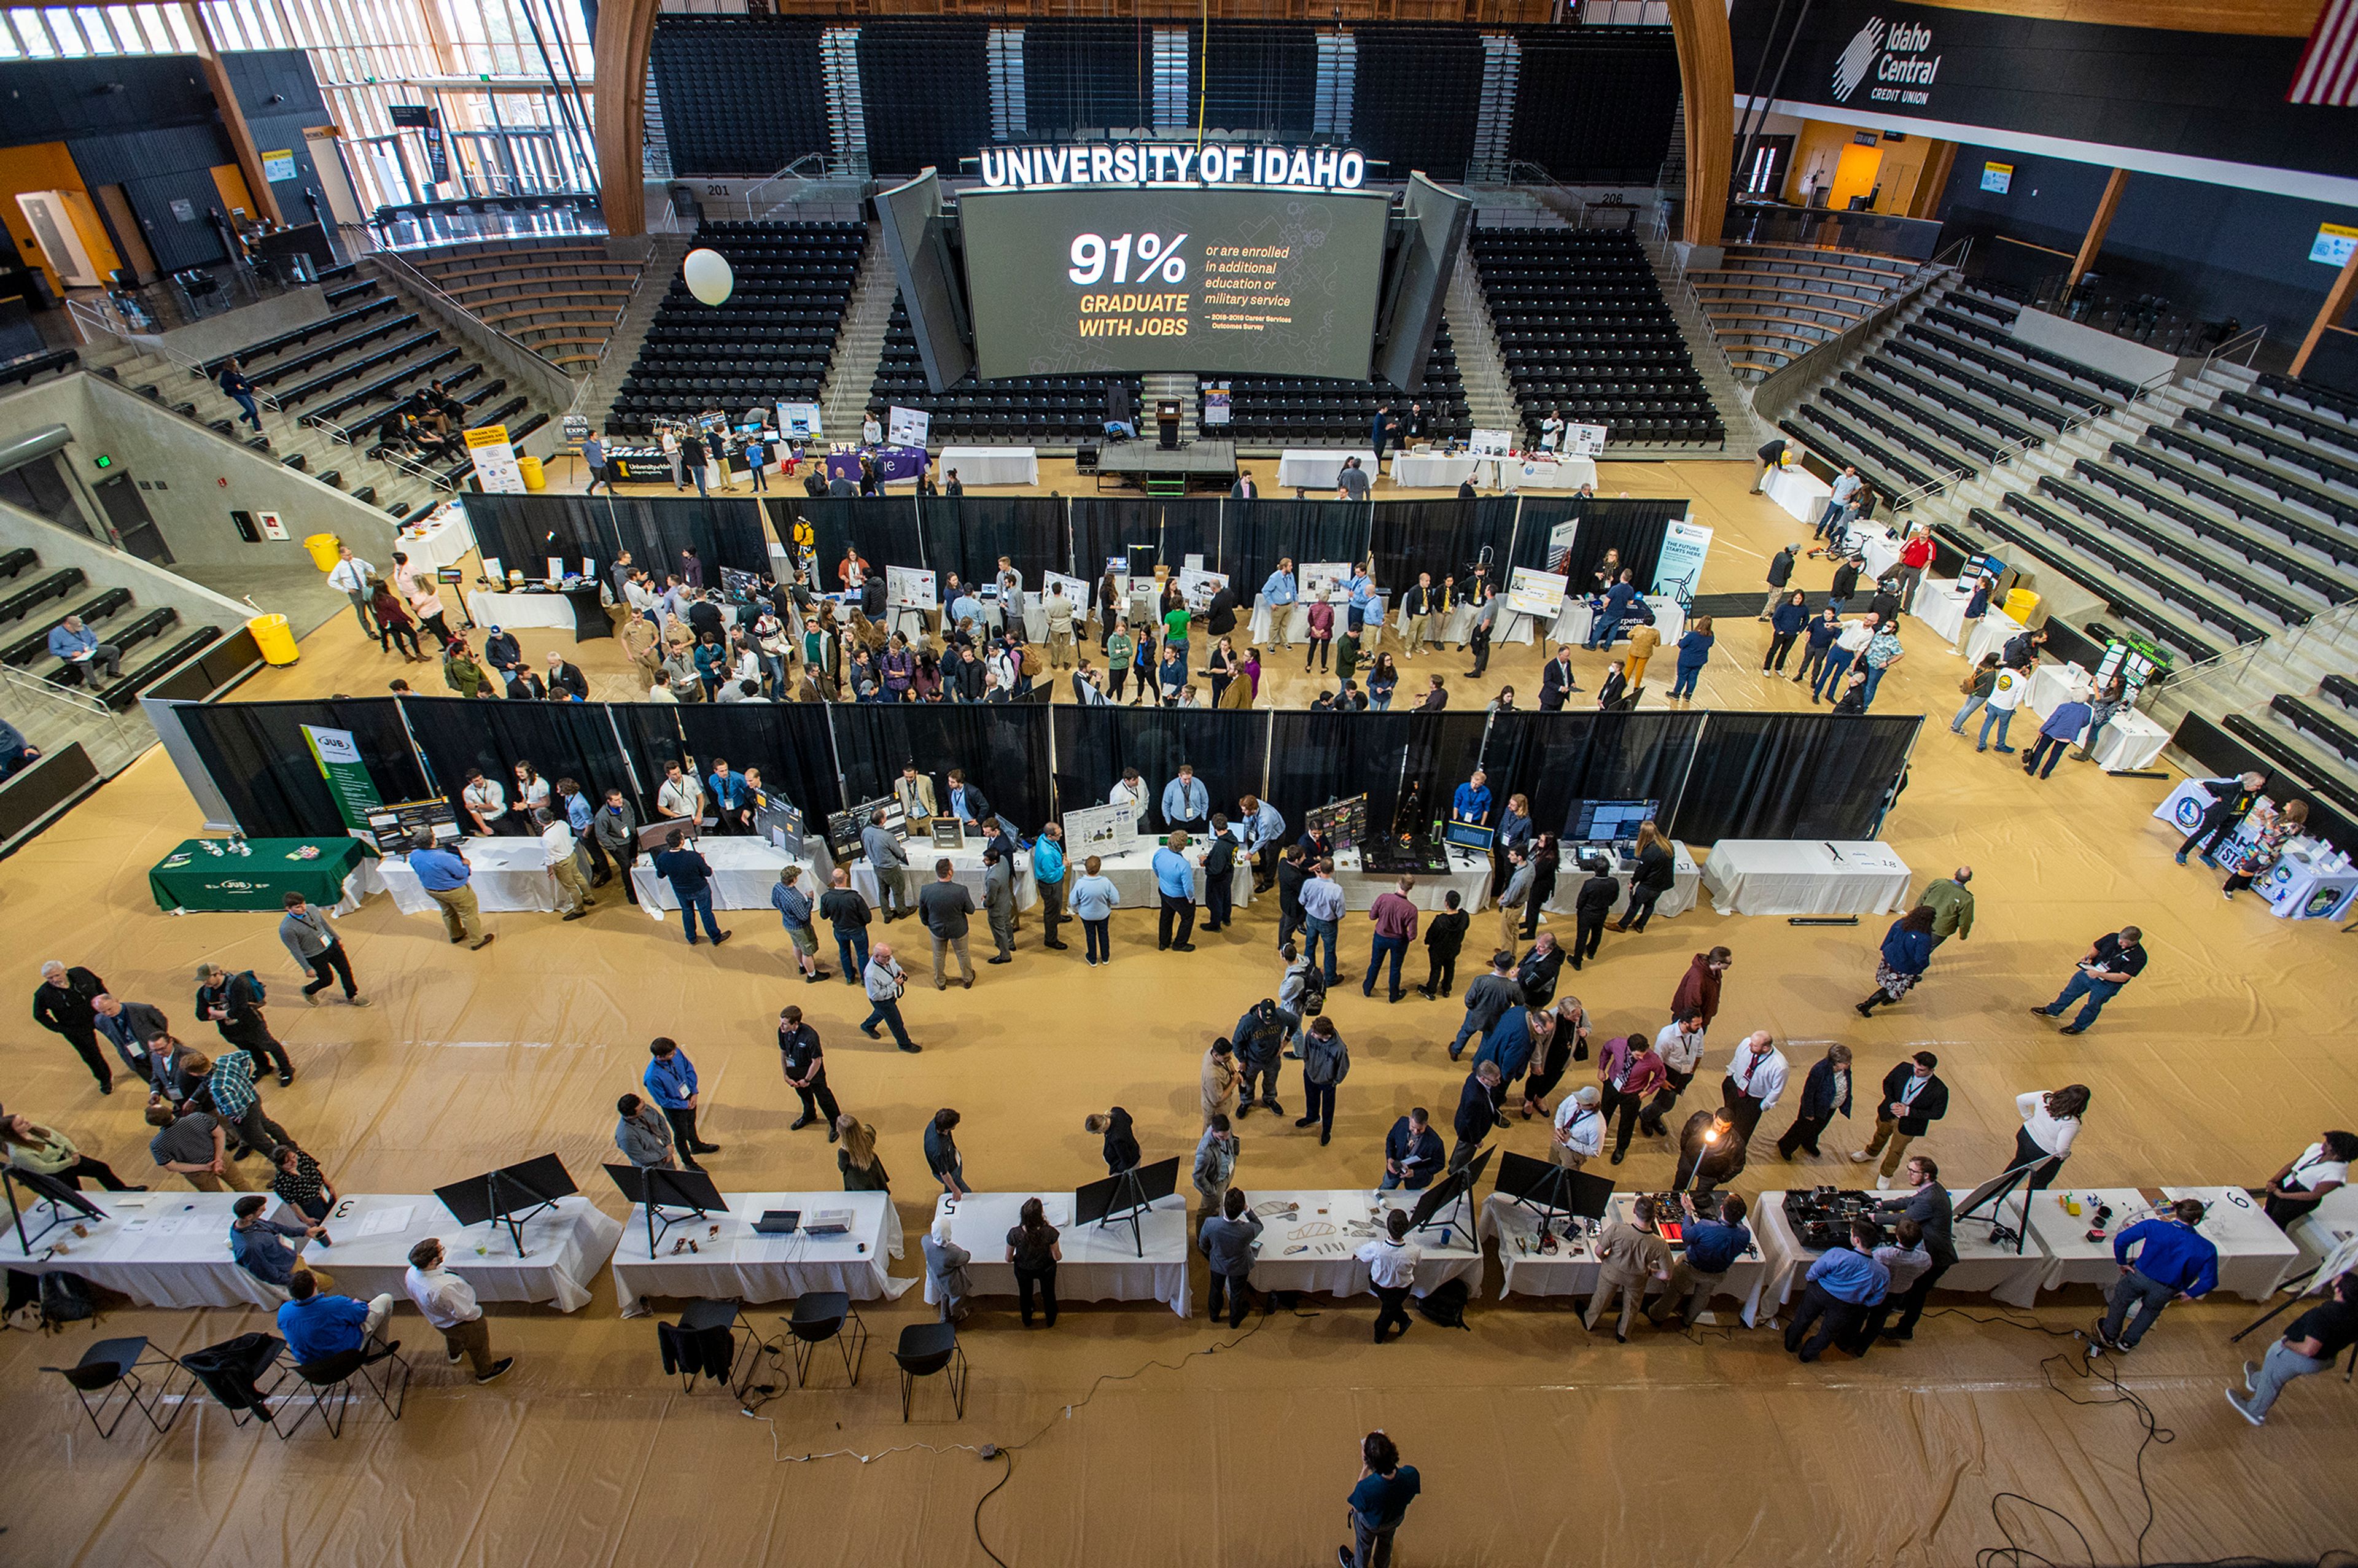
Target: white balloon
[[707, 275]]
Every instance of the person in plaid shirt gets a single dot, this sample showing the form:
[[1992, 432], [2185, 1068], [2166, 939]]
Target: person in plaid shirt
[[239, 1103]]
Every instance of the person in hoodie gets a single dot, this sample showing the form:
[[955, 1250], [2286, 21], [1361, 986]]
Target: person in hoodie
[[1259, 1040], [1698, 990], [1121, 1151]]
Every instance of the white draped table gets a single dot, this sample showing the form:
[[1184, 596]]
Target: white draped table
[[1469, 875], [564, 1248], [509, 876], [1101, 1263], [740, 1263], [2254, 1255], [1311, 1241], [1315, 468], [744, 870], [1984, 1267], [965, 866], [1805, 876], [991, 465], [1571, 1270]]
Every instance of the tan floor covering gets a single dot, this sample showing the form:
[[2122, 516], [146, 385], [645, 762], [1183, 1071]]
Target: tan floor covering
[[1537, 1442]]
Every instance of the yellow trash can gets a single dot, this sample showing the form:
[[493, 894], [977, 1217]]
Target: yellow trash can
[[2022, 604], [529, 465], [274, 638], [323, 548]]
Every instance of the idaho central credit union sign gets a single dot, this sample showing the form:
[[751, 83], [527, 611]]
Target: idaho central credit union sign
[[1172, 164], [1894, 60]]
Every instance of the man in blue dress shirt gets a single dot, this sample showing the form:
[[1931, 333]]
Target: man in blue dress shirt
[[1174, 880], [968, 803], [1472, 801], [670, 1081], [1264, 838], [1279, 593], [2174, 1260], [82, 650], [1186, 802], [1843, 1284], [316, 1325], [444, 873]]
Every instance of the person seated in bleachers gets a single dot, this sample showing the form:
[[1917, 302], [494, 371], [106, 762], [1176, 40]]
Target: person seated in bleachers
[[14, 750]]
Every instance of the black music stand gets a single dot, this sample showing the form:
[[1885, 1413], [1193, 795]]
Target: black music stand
[[1450, 1193], [1125, 1197], [510, 1195], [1546, 1188], [46, 1189], [1992, 1196], [656, 1187]]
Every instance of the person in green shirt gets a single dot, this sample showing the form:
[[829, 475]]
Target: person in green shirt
[[1953, 906], [460, 669], [1175, 631], [1119, 648]]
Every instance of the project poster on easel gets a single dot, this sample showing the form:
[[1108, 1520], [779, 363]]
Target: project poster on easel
[[911, 588], [1099, 831]]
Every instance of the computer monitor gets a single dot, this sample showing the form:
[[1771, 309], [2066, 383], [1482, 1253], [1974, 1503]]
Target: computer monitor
[[1468, 835], [1609, 821]]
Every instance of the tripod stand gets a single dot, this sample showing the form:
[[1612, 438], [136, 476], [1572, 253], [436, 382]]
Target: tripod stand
[[1127, 1202], [1992, 1194], [503, 1215], [649, 1179]]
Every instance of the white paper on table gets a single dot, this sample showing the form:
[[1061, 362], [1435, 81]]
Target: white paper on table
[[378, 1222], [168, 1226]]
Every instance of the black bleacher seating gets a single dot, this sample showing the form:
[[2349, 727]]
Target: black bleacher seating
[[2331, 733], [2313, 394], [1995, 423], [1974, 326], [392, 353], [1842, 444], [2322, 537], [377, 331], [2003, 392], [2227, 461], [2162, 503], [333, 325], [741, 94], [2190, 559], [123, 693], [1970, 438], [2276, 448], [25, 601], [770, 342], [2169, 630], [2297, 770], [1875, 418], [2342, 691], [34, 645], [1583, 327], [2340, 438], [154, 624], [389, 389], [2135, 566], [17, 562], [29, 368], [2006, 365], [1030, 410]]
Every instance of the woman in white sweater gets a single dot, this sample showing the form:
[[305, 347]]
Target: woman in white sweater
[[2050, 1120]]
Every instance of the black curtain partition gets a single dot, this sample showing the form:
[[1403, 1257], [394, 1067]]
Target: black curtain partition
[[1315, 758], [1229, 749], [1793, 775], [1443, 538], [787, 741], [885, 529], [1561, 758], [523, 531], [1003, 749], [1634, 527], [560, 739], [260, 761], [968, 533], [1257, 534], [1105, 526]]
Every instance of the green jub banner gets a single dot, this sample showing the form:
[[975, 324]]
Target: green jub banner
[[349, 784]]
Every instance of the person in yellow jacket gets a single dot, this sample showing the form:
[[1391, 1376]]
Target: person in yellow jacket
[[1643, 640]]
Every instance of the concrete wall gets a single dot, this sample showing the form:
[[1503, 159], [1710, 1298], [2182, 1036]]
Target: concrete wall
[[191, 478], [152, 587]]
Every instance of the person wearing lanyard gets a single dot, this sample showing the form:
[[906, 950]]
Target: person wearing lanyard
[[1579, 1129], [1471, 803], [1186, 802], [2174, 1260], [1630, 1071], [2112, 961], [2231, 801], [1713, 1247], [670, 1081], [349, 577], [2323, 1166], [1755, 1081], [1913, 1098], [1392, 1260], [1279, 594]]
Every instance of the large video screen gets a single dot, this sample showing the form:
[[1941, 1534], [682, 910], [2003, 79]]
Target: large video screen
[[1252, 282]]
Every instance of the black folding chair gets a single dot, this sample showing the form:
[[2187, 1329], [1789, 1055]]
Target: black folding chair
[[115, 1363], [703, 1317], [233, 1370], [924, 1349], [819, 1317], [330, 1381]]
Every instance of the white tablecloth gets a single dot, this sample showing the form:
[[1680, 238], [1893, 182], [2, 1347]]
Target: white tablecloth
[[2308, 884], [2131, 742], [1297, 627], [1329, 1260], [744, 870], [1571, 1269], [168, 1248], [1469, 874], [1877, 548], [1571, 626], [1539, 473], [1982, 1268], [1316, 468], [1997, 629], [1686, 885], [966, 865], [508, 877], [513, 612], [564, 1248], [2254, 1255], [444, 541], [1100, 1263], [740, 1262], [1132, 875], [1940, 605], [1805, 876], [991, 465], [1801, 493], [1431, 470], [2053, 684]]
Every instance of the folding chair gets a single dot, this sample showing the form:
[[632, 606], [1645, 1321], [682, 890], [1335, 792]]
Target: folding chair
[[112, 1364], [232, 1372], [702, 1317], [330, 1382], [924, 1349]]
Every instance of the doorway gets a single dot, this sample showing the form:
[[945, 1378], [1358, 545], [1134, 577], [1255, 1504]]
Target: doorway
[[133, 523], [123, 227], [1854, 176]]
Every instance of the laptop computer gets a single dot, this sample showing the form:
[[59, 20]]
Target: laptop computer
[[779, 1222]]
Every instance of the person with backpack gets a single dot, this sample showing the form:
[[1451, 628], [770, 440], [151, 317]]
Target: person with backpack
[[233, 1004]]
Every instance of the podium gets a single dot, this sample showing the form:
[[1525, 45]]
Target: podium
[[1166, 423]]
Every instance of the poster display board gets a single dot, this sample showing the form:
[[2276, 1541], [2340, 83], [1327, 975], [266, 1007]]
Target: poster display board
[[495, 460], [844, 828], [1530, 592], [394, 829], [907, 427], [1099, 831], [1583, 440], [911, 588], [1196, 587], [1324, 579], [799, 421], [1344, 824], [1075, 591], [1680, 567], [1560, 537], [1491, 443]]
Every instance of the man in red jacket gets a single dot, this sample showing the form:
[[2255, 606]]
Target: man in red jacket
[[1698, 990]]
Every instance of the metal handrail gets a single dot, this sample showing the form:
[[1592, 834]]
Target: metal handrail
[[2015, 448], [43, 686], [412, 278], [1801, 371], [87, 319], [2249, 340]]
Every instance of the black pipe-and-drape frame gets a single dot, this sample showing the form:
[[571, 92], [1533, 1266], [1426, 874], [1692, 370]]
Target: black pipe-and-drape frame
[[523, 531], [1229, 749]]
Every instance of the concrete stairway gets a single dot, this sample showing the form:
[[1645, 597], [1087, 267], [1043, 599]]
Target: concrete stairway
[[621, 350], [1728, 398], [1481, 368], [1153, 389], [860, 342]]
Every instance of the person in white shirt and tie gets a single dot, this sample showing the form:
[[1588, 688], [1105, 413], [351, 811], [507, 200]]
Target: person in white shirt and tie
[[1579, 1129], [349, 577], [1392, 1259], [1755, 1081], [1131, 790], [1186, 802], [1679, 1045], [449, 1304]]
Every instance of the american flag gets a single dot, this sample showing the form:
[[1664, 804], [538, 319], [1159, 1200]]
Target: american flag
[[2328, 72]]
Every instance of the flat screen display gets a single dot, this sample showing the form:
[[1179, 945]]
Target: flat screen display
[[1253, 282]]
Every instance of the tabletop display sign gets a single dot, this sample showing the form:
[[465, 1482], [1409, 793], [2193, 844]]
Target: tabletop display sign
[[1099, 831], [1583, 440], [799, 421], [844, 828], [1680, 565], [1323, 579], [778, 821], [948, 833], [1343, 823], [1530, 592], [394, 828], [1076, 591], [349, 784], [907, 427], [1560, 537], [1490, 443], [495, 460], [1199, 587], [911, 588]]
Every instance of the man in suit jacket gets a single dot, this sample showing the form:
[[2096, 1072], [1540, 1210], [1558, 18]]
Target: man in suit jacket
[[915, 791], [1556, 684], [564, 676], [1913, 1098], [968, 802], [1244, 489], [130, 1027]]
